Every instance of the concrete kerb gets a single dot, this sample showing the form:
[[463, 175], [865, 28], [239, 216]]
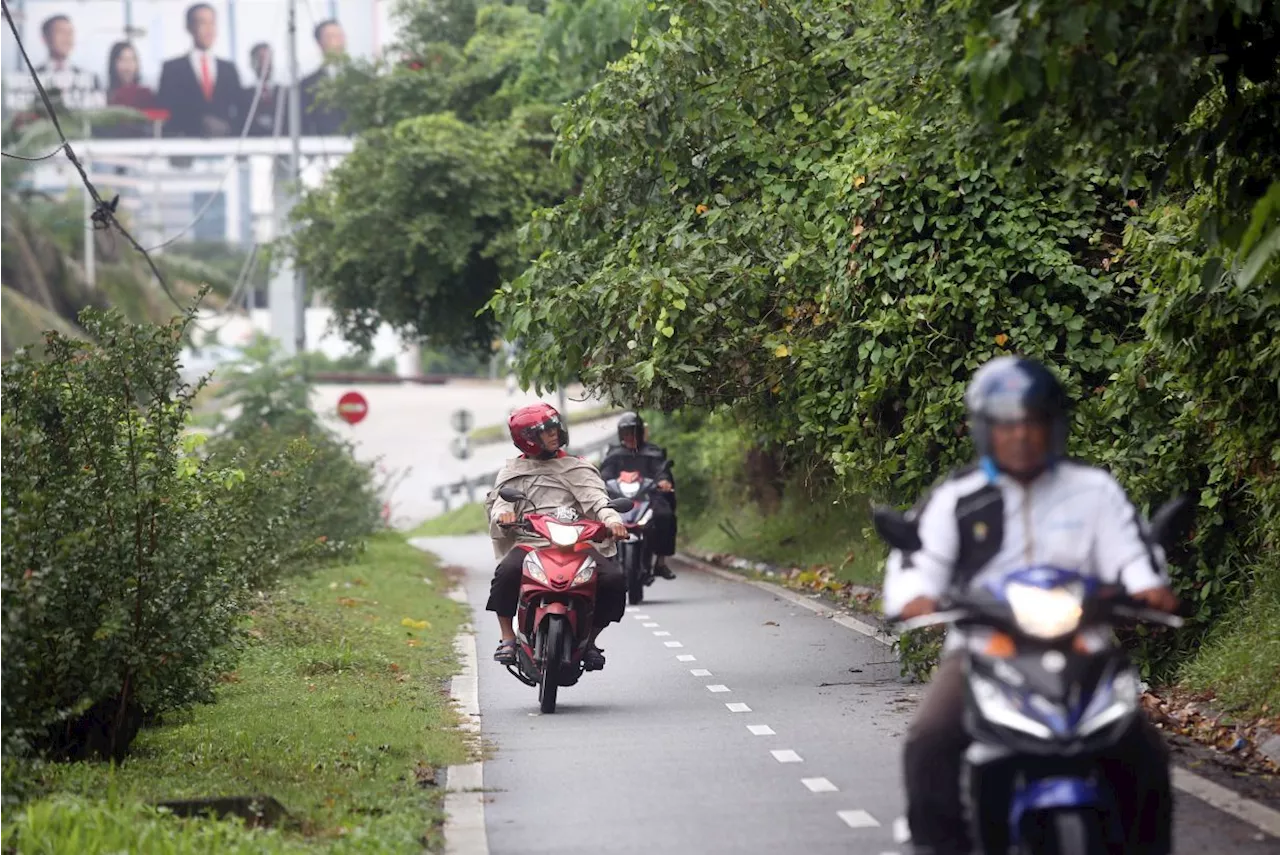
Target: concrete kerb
[[1246, 810], [464, 820]]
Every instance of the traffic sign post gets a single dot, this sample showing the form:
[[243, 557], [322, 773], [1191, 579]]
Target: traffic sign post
[[461, 444], [352, 407]]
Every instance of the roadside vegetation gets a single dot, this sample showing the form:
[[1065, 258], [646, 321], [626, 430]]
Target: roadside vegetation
[[195, 617], [466, 519]]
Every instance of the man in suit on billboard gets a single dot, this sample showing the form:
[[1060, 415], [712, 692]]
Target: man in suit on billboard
[[201, 92], [76, 88], [318, 119]]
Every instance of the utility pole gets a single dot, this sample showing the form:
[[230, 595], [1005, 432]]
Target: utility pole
[[295, 134]]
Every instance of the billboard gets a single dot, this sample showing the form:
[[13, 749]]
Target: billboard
[[190, 69]]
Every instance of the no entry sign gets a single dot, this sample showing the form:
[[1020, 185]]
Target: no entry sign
[[352, 407]]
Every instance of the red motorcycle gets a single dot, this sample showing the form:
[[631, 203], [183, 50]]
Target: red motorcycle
[[557, 598]]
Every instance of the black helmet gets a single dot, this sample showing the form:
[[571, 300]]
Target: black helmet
[[1011, 388], [629, 421]]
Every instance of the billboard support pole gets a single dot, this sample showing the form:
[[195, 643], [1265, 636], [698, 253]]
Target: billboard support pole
[[295, 135]]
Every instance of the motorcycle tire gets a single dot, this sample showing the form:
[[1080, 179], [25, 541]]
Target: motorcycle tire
[[553, 659], [635, 575], [1070, 832]]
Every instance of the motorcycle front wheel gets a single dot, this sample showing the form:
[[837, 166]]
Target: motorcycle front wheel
[[1068, 832], [635, 572], [552, 658]]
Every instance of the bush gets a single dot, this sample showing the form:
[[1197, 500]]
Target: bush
[[122, 554], [129, 557]]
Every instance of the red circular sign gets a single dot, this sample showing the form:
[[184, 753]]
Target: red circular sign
[[352, 407]]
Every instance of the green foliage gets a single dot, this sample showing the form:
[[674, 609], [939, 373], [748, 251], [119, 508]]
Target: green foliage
[[124, 555], [418, 226], [128, 556], [792, 213], [467, 519]]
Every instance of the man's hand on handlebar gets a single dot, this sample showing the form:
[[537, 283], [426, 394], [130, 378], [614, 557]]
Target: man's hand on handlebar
[[918, 607], [665, 486], [1162, 599], [509, 518], [618, 530]]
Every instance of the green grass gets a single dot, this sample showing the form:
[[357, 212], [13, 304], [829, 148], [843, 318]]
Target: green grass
[[492, 434], [467, 519], [803, 532], [1240, 661], [336, 709]]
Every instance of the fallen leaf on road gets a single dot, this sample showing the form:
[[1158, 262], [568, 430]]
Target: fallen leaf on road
[[771, 623]]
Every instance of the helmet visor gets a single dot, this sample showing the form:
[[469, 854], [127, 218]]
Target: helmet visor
[[1013, 407]]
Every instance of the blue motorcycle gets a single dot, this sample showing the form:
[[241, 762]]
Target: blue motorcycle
[[1049, 693]]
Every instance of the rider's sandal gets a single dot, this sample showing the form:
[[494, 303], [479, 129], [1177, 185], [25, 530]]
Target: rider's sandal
[[593, 658], [506, 653]]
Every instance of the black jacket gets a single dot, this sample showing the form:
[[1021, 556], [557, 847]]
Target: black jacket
[[648, 459]]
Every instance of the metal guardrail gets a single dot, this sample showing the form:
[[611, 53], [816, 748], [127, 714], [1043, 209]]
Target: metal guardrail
[[593, 451]]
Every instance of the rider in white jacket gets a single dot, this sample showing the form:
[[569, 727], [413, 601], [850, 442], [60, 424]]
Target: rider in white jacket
[[1022, 504]]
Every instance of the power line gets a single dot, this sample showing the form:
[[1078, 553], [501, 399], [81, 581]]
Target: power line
[[104, 212], [57, 151]]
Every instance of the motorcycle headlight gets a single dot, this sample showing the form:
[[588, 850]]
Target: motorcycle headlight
[[998, 708], [533, 566], [1045, 612], [645, 517], [563, 535], [585, 572], [1110, 704]]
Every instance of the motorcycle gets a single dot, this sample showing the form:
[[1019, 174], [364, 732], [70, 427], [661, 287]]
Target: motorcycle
[[1049, 691], [635, 557], [557, 598]]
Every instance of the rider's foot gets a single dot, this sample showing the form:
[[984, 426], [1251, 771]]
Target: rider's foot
[[506, 652], [593, 658], [660, 568]]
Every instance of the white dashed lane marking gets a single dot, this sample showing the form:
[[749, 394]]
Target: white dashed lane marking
[[660, 632], [700, 672], [685, 657], [673, 644], [642, 617], [901, 830], [738, 707], [718, 688], [819, 785], [649, 624], [786, 755], [760, 730], [858, 819]]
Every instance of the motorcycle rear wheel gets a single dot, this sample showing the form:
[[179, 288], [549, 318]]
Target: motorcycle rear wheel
[[553, 656], [1069, 832]]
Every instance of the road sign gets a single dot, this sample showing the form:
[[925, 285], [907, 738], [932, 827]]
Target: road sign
[[352, 407], [460, 447], [461, 420]]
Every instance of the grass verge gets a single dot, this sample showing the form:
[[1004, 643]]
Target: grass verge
[[467, 519], [338, 710], [491, 434], [805, 532], [1240, 661]]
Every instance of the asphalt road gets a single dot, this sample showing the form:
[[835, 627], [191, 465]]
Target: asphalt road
[[727, 720]]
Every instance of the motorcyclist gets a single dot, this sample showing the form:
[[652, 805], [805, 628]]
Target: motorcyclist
[[1023, 502], [634, 453], [549, 478]]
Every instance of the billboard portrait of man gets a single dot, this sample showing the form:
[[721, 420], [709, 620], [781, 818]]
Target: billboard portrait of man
[[78, 89], [201, 92], [319, 119], [272, 116]]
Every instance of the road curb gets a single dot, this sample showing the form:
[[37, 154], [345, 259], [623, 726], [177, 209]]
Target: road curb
[[1246, 810], [464, 820]]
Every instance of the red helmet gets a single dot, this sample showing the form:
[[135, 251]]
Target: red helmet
[[528, 422]]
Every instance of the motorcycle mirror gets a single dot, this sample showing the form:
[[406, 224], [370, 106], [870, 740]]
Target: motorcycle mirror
[[621, 505], [895, 529], [511, 494], [1172, 520]]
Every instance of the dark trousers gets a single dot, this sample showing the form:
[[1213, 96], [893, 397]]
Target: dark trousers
[[611, 588], [933, 759], [660, 535]]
